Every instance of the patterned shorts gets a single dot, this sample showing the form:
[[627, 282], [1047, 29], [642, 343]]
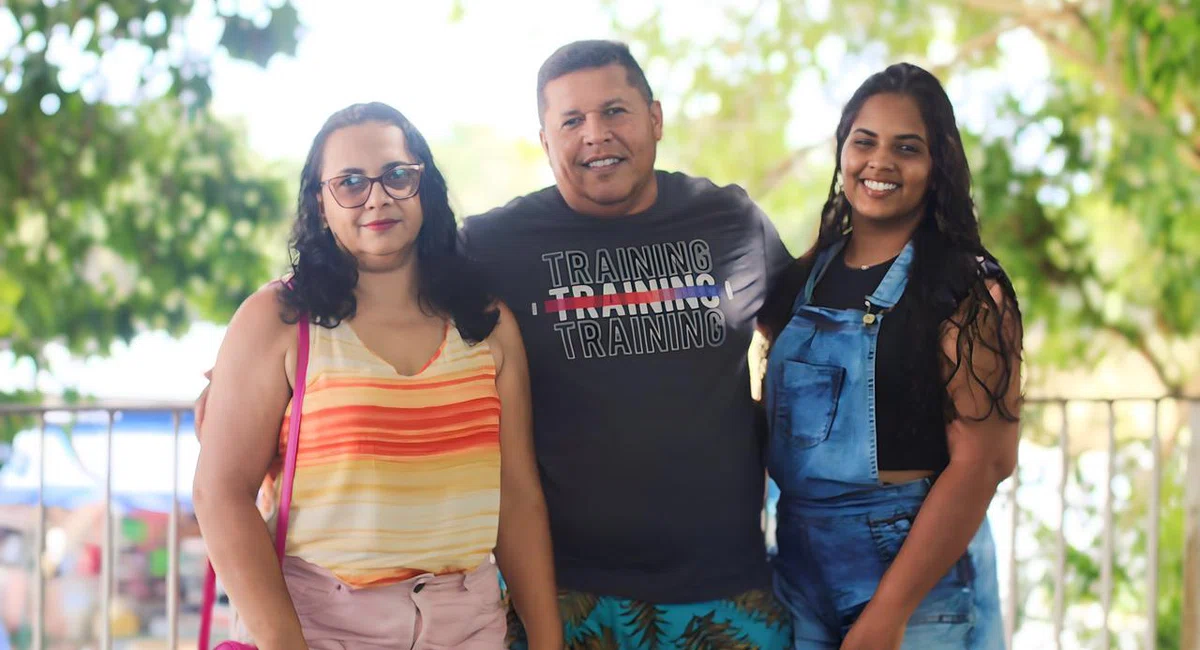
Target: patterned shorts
[[754, 620]]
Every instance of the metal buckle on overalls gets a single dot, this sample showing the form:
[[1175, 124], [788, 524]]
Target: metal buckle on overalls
[[869, 318]]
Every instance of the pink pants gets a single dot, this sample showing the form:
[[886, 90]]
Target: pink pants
[[427, 612]]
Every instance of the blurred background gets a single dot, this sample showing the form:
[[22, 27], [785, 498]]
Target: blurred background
[[149, 156]]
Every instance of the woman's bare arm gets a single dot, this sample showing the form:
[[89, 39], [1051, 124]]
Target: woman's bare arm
[[523, 547], [240, 433]]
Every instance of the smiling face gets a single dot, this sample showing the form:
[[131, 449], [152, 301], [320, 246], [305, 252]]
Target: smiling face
[[383, 229], [600, 136], [885, 161]]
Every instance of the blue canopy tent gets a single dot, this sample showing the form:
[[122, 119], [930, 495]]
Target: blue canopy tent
[[75, 466], [68, 485]]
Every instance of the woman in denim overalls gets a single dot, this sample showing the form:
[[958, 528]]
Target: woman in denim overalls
[[874, 553]]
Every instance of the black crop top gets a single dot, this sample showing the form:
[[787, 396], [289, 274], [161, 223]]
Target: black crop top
[[905, 439]]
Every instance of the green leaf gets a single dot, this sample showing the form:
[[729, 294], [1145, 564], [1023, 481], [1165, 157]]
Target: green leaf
[[705, 633], [588, 640], [576, 607], [761, 605], [647, 621]]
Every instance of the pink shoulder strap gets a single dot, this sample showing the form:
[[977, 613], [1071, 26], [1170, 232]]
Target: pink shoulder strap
[[289, 474], [293, 441]]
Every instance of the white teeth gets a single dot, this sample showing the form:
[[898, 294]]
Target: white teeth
[[880, 187], [603, 162]]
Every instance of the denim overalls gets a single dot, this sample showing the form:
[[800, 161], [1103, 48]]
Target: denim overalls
[[839, 528]]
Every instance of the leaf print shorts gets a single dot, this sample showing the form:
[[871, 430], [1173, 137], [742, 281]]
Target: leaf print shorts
[[754, 620]]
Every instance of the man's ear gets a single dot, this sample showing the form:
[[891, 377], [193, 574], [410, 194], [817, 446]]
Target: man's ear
[[656, 119]]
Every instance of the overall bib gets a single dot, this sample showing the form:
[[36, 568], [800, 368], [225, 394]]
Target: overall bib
[[839, 528]]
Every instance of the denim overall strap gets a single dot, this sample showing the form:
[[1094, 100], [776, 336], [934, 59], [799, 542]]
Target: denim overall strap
[[822, 263], [888, 293]]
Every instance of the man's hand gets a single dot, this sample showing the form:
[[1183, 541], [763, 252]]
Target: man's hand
[[201, 402]]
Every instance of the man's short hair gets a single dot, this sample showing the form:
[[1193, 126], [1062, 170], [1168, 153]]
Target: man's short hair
[[584, 55]]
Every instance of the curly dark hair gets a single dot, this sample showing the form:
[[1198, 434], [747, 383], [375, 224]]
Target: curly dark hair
[[324, 275], [948, 279]]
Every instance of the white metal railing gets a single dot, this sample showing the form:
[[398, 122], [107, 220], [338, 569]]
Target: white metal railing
[[1009, 492], [110, 409], [1109, 441]]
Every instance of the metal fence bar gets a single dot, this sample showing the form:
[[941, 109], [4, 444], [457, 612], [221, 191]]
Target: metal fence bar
[[115, 406], [39, 544], [1060, 566], [173, 542], [1106, 563], [1152, 542], [106, 560], [1012, 608], [1190, 638]]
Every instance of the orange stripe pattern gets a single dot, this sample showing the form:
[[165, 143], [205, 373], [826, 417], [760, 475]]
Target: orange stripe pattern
[[396, 476]]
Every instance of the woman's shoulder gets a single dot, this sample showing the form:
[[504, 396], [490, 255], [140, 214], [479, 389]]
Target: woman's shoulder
[[506, 331], [963, 269], [505, 338], [261, 315], [968, 274]]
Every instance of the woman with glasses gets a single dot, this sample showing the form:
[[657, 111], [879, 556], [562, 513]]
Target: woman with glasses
[[415, 457]]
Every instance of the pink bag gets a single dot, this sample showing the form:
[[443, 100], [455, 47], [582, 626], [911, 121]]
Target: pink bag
[[285, 501]]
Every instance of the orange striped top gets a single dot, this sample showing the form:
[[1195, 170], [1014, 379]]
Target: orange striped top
[[396, 475]]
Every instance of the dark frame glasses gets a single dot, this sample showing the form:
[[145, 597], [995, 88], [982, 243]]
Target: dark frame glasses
[[352, 190]]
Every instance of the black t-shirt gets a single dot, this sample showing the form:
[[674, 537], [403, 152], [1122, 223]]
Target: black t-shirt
[[906, 439], [637, 330]]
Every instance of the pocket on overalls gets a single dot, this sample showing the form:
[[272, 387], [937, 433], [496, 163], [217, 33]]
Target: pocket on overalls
[[950, 600], [808, 404]]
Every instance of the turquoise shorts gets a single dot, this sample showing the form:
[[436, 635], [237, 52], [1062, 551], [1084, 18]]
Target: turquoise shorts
[[753, 620]]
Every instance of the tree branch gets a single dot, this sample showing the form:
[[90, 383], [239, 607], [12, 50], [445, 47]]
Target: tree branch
[[1184, 104], [1141, 345], [1020, 11], [780, 171], [1189, 152], [1038, 20], [1137, 340], [977, 43], [1101, 74]]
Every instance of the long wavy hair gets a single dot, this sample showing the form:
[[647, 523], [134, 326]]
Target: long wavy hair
[[324, 275], [947, 285]]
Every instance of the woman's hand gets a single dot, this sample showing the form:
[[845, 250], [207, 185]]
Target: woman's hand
[[875, 630]]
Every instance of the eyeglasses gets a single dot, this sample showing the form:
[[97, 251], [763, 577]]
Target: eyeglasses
[[353, 190]]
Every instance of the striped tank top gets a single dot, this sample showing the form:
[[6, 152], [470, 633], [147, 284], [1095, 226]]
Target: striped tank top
[[396, 475]]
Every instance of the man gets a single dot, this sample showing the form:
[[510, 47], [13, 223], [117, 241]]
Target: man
[[636, 292]]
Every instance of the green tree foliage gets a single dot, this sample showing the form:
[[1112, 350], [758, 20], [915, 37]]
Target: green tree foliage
[[127, 210], [1087, 182], [1100, 231]]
